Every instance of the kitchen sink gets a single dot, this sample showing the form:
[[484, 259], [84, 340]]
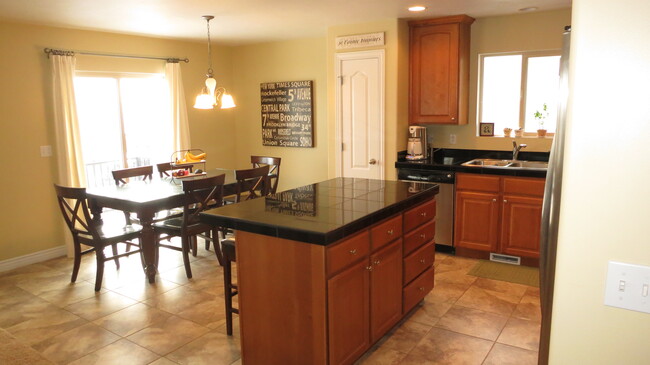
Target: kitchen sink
[[508, 164]]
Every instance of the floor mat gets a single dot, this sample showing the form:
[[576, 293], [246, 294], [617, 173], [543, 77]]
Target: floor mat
[[506, 272]]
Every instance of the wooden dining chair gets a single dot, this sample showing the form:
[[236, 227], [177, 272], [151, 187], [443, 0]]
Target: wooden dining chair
[[251, 184], [274, 169], [200, 194], [165, 168], [74, 207], [143, 172]]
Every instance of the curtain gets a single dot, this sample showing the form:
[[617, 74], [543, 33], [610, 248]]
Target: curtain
[[180, 123], [68, 141]]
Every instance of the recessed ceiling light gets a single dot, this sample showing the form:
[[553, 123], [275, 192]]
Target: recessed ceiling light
[[532, 8], [417, 8]]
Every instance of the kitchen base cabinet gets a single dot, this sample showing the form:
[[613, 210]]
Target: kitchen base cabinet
[[333, 302], [498, 214]]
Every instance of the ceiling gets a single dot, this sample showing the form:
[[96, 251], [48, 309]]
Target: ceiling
[[243, 21]]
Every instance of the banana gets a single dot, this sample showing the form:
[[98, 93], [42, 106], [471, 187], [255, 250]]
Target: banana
[[194, 158]]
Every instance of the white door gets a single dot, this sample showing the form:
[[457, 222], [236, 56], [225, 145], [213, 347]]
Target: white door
[[360, 114]]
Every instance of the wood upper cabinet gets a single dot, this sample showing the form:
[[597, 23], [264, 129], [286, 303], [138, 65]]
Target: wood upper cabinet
[[385, 289], [499, 214], [439, 70]]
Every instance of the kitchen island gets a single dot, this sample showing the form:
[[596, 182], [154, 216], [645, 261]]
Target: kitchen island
[[325, 270]]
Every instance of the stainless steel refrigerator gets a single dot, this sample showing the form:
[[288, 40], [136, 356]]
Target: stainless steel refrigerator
[[551, 206]]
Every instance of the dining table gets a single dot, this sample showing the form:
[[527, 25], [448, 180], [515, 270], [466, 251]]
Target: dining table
[[145, 199]]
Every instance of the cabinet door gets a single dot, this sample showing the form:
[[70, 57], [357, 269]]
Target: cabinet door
[[520, 227], [385, 289], [348, 301], [477, 217]]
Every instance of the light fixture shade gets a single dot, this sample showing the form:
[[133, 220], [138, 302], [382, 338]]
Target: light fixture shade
[[227, 101], [204, 101]]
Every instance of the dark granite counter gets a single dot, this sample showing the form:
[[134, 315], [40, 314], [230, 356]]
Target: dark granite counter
[[324, 212], [460, 156]]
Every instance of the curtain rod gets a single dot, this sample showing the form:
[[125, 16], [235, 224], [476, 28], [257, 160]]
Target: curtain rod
[[50, 51]]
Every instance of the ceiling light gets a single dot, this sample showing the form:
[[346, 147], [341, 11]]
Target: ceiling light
[[417, 8], [211, 95], [525, 10]]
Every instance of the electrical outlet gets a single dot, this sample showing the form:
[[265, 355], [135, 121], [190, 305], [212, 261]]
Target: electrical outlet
[[46, 151], [627, 286], [452, 138]]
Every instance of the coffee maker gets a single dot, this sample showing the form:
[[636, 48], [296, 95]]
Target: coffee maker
[[416, 148]]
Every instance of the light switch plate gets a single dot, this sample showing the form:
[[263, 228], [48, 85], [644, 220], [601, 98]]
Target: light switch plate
[[627, 286], [46, 151]]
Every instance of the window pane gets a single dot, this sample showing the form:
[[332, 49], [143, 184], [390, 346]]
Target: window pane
[[501, 92], [147, 125], [99, 125], [542, 88]]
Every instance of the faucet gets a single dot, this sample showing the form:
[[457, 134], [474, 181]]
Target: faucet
[[516, 149]]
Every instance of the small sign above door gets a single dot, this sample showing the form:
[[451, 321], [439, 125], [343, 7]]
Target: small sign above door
[[360, 40]]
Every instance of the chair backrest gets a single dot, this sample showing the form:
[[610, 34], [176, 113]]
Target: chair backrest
[[74, 207], [164, 168], [120, 175], [274, 169], [253, 181], [201, 194]]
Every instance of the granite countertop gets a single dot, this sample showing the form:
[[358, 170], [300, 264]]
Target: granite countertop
[[460, 156], [324, 212]]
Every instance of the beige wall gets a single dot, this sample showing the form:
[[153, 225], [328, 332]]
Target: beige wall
[[29, 218], [396, 108], [604, 216], [520, 32], [280, 61]]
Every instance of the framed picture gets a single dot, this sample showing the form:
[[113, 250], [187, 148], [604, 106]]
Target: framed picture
[[486, 129]]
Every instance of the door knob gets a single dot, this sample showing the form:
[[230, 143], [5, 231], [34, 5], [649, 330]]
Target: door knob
[[372, 161]]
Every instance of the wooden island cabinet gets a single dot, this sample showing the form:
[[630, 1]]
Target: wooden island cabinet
[[498, 214], [323, 302]]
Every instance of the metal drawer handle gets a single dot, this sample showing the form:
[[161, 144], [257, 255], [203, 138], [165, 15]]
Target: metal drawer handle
[[376, 262], [423, 236], [421, 288], [424, 214], [423, 261], [494, 200], [505, 201], [353, 251], [369, 268], [390, 232]]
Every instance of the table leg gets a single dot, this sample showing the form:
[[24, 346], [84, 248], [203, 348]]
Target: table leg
[[148, 245]]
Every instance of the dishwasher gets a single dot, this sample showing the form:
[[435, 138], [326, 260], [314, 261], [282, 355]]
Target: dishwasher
[[444, 237]]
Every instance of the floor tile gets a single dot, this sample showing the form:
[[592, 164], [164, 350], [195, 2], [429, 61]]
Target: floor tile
[[166, 336], [521, 333], [47, 323], [429, 311], [488, 301], [28, 308], [446, 292], [13, 351], [72, 293], [132, 319], [142, 290], [381, 356], [448, 348], [405, 336], [473, 322], [76, 343], [163, 361], [508, 355], [201, 307], [529, 308], [100, 305], [212, 348], [119, 352]]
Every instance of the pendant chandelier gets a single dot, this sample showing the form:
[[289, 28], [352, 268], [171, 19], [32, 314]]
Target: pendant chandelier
[[212, 95]]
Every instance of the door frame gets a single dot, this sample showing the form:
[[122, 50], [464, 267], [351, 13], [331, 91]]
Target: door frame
[[339, 58]]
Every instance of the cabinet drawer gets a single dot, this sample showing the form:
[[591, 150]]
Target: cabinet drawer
[[477, 182], [522, 186], [418, 237], [419, 261], [417, 289], [419, 215], [386, 232], [343, 254]]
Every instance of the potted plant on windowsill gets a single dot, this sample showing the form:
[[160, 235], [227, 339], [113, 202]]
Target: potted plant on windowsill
[[541, 118]]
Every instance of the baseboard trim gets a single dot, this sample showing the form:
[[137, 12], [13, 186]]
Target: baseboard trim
[[32, 258]]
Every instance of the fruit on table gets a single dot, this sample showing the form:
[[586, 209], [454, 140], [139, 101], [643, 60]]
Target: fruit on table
[[189, 157]]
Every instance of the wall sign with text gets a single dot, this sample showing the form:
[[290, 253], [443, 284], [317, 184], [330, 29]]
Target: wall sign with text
[[287, 114]]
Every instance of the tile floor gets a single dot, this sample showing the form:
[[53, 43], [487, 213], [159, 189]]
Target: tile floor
[[464, 320]]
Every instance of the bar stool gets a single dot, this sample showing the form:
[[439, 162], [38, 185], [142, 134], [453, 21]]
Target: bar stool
[[230, 290]]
